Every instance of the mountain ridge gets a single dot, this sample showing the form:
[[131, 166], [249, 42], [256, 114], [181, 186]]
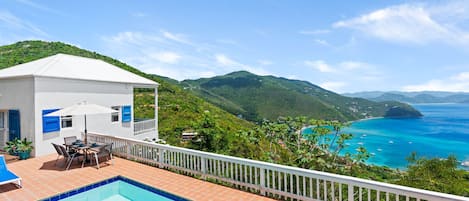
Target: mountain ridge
[[270, 97], [414, 97]]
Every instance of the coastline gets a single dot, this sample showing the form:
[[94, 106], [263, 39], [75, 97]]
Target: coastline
[[365, 119]]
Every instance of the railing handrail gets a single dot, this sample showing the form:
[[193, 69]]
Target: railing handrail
[[321, 175], [144, 121]]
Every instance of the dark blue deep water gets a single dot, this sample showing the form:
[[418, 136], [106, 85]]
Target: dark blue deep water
[[443, 130]]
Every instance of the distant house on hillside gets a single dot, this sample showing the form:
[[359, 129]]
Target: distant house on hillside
[[31, 90], [188, 135]]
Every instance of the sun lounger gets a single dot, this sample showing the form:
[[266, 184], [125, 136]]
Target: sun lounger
[[6, 176]]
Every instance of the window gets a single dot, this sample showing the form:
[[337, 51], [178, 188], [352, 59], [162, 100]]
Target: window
[[2, 119], [115, 115], [66, 121], [50, 124], [126, 113]]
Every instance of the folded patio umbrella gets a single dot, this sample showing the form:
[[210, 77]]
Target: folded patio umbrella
[[82, 109]]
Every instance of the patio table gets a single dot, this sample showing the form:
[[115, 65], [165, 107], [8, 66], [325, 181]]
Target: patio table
[[85, 148]]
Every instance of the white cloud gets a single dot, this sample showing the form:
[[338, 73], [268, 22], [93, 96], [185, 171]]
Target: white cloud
[[464, 76], [134, 38], [333, 86], [345, 75], [456, 83], [321, 42], [166, 57], [314, 32], [232, 65], [154, 53], [14, 22], [176, 37], [227, 41], [353, 65], [341, 67], [224, 60], [172, 55], [206, 74], [320, 65], [179, 73], [40, 7], [292, 77], [412, 23], [258, 70]]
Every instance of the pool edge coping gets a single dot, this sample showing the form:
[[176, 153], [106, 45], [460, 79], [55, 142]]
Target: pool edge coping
[[111, 180]]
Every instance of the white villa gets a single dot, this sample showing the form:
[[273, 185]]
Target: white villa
[[31, 90]]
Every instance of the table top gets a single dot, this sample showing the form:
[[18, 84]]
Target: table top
[[86, 146]]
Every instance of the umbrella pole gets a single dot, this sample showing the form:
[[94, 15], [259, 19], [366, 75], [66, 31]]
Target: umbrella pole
[[86, 132]]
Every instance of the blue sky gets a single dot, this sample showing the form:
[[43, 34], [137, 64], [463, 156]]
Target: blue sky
[[343, 46]]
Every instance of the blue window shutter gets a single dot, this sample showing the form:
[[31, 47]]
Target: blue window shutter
[[126, 113], [50, 124]]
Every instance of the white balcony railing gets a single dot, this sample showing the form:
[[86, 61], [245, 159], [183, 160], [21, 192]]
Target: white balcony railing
[[144, 126], [277, 181]]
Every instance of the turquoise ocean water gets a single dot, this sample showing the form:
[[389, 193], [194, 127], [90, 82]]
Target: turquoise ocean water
[[443, 130]]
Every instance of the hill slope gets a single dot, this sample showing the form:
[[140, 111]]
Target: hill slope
[[256, 97], [178, 111]]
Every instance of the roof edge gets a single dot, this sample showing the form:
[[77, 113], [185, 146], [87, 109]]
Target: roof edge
[[66, 78]]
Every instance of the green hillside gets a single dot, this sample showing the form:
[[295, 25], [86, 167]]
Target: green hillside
[[179, 110], [257, 97]]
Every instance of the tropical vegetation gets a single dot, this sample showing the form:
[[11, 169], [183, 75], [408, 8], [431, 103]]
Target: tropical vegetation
[[273, 136], [436, 174]]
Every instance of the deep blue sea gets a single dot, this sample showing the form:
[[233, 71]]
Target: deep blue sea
[[443, 130]]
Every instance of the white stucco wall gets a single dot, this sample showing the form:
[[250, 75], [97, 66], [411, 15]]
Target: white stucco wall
[[17, 93], [32, 95], [56, 93]]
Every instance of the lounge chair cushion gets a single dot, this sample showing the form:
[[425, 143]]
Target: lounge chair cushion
[[7, 177]]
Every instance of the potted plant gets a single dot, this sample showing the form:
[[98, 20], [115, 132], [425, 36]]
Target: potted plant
[[12, 147], [24, 149]]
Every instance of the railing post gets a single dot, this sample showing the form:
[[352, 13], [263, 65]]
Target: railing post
[[161, 159], [203, 167], [128, 151], [350, 192], [262, 180]]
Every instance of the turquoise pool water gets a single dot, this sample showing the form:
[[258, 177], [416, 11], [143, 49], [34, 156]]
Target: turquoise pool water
[[116, 189]]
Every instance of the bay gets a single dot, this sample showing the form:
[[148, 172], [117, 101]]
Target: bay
[[443, 130]]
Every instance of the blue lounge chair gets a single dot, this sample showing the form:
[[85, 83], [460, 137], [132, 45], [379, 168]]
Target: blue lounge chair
[[6, 176]]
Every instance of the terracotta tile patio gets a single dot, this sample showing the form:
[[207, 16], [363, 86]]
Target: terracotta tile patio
[[42, 179]]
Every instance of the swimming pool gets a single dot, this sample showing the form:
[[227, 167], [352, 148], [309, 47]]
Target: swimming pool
[[116, 189]]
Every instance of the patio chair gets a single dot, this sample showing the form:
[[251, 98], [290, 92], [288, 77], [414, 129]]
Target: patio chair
[[59, 152], [6, 176], [69, 141], [69, 156], [101, 152]]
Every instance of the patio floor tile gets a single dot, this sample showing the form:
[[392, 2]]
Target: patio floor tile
[[42, 179]]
